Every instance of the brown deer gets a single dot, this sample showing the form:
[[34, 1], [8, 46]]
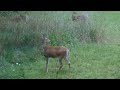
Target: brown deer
[[60, 52]]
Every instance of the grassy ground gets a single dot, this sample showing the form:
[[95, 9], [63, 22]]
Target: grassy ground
[[88, 61]]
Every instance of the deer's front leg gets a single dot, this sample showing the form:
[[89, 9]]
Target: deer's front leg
[[47, 64]]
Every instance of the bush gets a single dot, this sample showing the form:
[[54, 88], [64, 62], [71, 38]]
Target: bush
[[11, 13], [59, 31]]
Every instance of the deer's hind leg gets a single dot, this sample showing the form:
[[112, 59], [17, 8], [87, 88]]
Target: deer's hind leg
[[61, 64]]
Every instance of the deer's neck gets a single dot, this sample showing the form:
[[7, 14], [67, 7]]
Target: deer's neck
[[45, 45]]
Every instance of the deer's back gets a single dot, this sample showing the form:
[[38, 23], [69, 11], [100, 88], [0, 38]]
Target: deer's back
[[54, 51]]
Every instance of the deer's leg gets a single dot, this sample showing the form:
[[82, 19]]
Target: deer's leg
[[47, 64], [68, 62], [61, 65]]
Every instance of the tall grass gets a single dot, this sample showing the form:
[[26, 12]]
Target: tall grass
[[59, 31], [22, 42]]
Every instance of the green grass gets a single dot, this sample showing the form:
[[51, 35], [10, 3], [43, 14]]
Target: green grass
[[88, 60]]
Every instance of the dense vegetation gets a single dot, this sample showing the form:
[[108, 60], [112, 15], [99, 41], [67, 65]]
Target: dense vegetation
[[94, 46]]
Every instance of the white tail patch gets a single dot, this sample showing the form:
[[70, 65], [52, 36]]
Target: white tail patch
[[67, 56]]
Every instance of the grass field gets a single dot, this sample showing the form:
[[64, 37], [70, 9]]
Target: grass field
[[88, 61]]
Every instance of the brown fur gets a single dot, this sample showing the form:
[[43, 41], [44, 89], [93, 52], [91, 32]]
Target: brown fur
[[55, 52]]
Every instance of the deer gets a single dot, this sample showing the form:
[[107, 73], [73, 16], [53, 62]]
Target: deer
[[59, 52]]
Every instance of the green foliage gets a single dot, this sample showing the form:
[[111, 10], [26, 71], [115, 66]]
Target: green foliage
[[94, 61], [11, 13], [21, 46]]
